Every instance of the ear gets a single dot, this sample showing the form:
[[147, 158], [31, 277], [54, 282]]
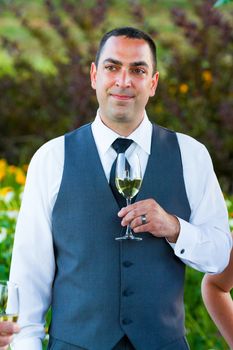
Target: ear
[[93, 73], [154, 83]]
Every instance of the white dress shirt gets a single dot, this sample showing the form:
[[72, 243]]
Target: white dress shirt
[[204, 242]]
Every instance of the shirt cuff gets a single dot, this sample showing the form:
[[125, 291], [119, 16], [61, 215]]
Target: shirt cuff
[[204, 248], [188, 238], [183, 246], [27, 344]]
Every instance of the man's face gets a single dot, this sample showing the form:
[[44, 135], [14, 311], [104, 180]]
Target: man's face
[[124, 81]]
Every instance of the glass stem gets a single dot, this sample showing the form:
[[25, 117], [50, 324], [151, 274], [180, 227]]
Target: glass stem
[[128, 229], [128, 201]]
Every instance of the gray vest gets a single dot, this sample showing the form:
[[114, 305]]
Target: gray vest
[[104, 289]]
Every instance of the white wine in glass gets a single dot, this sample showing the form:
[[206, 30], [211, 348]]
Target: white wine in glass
[[9, 312], [128, 180]]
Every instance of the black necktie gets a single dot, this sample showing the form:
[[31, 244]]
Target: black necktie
[[120, 146]]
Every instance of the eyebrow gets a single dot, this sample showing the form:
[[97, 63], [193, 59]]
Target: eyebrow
[[119, 63]]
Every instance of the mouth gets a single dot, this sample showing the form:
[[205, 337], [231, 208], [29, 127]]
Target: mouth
[[120, 97]]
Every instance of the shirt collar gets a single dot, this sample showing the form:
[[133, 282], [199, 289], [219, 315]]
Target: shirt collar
[[104, 136]]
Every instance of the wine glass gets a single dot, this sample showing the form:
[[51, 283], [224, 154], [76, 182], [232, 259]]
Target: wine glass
[[128, 180], [9, 311]]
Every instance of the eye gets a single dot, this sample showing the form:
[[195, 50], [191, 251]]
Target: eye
[[111, 68], [139, 71]]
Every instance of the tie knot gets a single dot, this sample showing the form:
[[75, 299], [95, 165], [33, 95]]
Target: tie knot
[[120, 145]]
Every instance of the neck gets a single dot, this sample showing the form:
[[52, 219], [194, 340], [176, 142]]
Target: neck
[[122, 128]]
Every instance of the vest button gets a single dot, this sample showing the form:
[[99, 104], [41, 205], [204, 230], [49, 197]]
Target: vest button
[[127, 263], [182, 251], [127, 292], [126, 321]]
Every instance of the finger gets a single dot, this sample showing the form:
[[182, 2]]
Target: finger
[[8, 328], [142, 228], [125, 210], [130, 217], [137, 222], [5, 340], [136, 212], [141, 205]]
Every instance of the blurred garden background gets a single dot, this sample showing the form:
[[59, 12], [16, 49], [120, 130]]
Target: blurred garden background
[[46, 47]]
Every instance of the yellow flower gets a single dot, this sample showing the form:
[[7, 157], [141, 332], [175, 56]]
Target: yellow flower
[[207, 76], [7, 194], [3, 166], [20, 177], [183, 88], [2, 174], [5, 190], [12, 169], [3, 163]]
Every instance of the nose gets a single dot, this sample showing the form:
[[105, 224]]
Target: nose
[[123, 79]]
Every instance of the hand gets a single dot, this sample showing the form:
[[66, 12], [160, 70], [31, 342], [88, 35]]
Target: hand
[[158, 222], [7, 329]]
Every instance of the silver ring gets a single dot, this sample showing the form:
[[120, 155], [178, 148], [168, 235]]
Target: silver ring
[[143, 219]]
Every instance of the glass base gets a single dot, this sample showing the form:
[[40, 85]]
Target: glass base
[[131, 237]]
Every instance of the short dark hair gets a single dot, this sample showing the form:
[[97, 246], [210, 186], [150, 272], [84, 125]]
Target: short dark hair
[[132, 33]]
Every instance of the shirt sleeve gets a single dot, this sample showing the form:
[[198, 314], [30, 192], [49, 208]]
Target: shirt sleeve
[[33, 265], [27, 343], [204, 242]]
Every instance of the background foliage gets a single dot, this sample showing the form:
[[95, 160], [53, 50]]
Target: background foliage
[[46, 47]]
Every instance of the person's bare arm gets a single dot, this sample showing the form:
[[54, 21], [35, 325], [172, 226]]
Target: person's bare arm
[[218, 301]]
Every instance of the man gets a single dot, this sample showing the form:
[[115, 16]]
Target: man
[[7, 330], [106, 294]]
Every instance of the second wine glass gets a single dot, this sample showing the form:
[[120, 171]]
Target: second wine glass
[[9, 311], [128, 179]]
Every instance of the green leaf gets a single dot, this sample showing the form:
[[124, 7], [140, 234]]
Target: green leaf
[[222, 2], [12, 29], [44, 65], [6, 64], [39, 62]]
